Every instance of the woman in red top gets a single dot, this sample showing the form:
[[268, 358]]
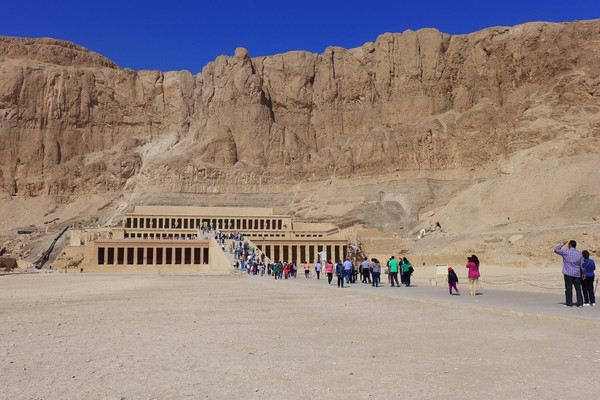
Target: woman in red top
[[473, 266], [329, 270]]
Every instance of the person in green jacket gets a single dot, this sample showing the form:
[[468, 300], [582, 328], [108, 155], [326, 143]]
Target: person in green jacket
[[407, 270], [394, 271]]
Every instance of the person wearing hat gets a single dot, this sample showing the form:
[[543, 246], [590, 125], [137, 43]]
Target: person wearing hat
[[452, 281]]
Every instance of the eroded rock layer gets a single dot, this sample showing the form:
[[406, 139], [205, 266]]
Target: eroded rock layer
[[74, 122], [474, 139]]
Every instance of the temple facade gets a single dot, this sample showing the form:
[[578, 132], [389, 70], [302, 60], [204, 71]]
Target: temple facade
[[277, 236], [175, 237]]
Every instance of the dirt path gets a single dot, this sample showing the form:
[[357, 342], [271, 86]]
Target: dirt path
[[146, 336]]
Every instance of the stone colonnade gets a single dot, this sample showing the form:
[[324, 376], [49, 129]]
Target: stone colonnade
[[189, 252], [301, 253], [220, 223], [161, 235]]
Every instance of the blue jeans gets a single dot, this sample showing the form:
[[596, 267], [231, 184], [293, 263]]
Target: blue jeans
[[376, 278]]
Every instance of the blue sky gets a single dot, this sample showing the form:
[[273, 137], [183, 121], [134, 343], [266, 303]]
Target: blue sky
[[180, 35]]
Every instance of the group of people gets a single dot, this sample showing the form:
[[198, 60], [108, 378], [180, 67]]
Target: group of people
[[346, 272], [473, 275], [579, 272]]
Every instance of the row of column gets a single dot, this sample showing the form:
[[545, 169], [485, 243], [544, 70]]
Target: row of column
[[167, 235], [197, 223], [300, 254], [152, 255]]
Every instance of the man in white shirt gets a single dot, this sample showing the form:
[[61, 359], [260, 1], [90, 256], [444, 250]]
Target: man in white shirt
[[318, 269]]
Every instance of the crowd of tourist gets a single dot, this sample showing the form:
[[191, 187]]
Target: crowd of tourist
[[578, 269], [254, 262]]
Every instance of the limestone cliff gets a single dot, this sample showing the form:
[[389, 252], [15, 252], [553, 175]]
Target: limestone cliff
[[73, 122]]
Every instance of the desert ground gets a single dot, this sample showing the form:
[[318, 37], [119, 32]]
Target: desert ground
[[188, 335]]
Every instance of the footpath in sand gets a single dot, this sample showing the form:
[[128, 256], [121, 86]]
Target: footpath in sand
[[186, 335]]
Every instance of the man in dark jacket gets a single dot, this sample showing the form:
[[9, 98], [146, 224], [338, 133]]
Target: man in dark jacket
[[339, 269]]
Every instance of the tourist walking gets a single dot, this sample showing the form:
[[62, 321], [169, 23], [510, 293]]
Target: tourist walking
[[473, 266], [366, 275], [318, 269], [286, 270], [376, 272], [347, 270], [407, 270], [340, 271], [306, 270], [572, 270], [329, 271], [452, 281], [393, 266], [587, 285]]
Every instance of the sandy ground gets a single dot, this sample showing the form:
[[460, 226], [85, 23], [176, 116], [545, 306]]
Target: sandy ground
[[151, 336]]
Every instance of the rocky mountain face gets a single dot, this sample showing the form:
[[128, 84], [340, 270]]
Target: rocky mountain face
[[417, 104]]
